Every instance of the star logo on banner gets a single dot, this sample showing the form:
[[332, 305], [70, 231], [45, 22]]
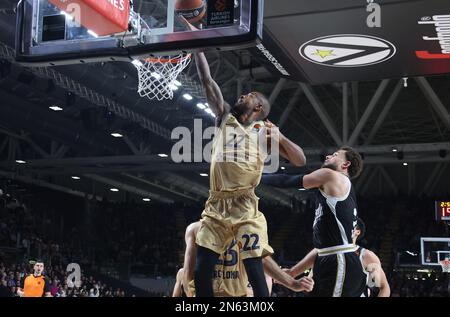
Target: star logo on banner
[[347, 50], [324, 53]]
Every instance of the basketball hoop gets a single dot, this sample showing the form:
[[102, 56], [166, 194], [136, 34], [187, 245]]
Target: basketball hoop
[[157, 75], [445, 265]]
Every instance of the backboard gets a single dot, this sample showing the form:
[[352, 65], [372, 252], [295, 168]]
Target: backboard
[[57, 32], [433, 250]]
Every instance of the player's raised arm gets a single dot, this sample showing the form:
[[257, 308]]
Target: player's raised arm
[[213, 93], [316, 179], [288, 149]]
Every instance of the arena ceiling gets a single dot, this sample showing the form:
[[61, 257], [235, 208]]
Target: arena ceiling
[[98, 99]]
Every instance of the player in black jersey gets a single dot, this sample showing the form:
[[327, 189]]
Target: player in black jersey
[[337, 269], [376, 281]]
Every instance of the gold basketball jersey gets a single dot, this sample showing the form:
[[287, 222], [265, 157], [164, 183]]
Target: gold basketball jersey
[[230, 278], [238, 155]]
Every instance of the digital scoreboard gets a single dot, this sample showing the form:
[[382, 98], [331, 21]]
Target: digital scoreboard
[[442, 210]]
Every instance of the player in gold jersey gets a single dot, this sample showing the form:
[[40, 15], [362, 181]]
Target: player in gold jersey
[[231, 211], [230, 278]]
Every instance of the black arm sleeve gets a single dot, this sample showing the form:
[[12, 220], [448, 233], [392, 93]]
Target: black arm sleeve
[[283, 181], [22, 282], [47, 285]]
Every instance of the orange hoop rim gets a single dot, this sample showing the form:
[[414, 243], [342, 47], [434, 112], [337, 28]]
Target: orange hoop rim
[[167, 60]]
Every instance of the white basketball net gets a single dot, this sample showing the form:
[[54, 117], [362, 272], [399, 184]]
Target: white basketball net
[[157, 75], [445, 266]]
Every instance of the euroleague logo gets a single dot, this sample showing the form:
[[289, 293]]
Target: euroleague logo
[[347, 50], [221, 5]]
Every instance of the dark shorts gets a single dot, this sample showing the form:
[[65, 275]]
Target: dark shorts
[[338, 275]]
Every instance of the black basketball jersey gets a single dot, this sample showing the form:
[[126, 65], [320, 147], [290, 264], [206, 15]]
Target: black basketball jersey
[[335, 219]]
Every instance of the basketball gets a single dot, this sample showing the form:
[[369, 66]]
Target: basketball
[[192, 10]]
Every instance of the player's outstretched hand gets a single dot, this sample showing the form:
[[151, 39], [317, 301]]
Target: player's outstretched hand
[[305, 284]]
